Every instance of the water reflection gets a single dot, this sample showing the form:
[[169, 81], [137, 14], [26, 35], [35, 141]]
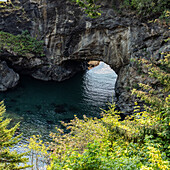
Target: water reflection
[[98, 84]]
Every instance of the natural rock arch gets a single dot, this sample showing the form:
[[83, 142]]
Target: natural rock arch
[[103, 45], [69, 34]]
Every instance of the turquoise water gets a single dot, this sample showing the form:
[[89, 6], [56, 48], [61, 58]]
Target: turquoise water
[[39, 106]]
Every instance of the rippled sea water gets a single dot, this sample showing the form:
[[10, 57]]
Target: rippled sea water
[[39, 106]]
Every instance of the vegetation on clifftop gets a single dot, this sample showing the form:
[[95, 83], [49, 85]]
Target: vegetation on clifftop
[[145, 8], [21, 44]]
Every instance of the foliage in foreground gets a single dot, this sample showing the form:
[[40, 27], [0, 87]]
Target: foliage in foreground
[[140, 141], [39, 152], [110, 144], [9, 160]]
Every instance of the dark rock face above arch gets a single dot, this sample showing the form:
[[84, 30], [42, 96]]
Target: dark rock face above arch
[[69, 35]]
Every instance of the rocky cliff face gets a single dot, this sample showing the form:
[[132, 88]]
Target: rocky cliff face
[[71, 39], [8, 78]]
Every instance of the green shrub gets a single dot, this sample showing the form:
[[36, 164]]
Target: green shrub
[[90, 7], [145, 8], [148, 7], [9, 160], [22, 44]]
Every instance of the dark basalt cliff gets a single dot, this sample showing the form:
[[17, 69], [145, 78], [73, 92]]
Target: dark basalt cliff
[[71, 39]]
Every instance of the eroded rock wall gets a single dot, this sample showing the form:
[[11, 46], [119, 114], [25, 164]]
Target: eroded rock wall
[[71, 39]]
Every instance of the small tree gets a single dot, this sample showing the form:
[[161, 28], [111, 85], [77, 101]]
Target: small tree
[[9, 160]]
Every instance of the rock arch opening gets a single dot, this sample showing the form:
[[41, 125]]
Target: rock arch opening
[[99, 79]]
